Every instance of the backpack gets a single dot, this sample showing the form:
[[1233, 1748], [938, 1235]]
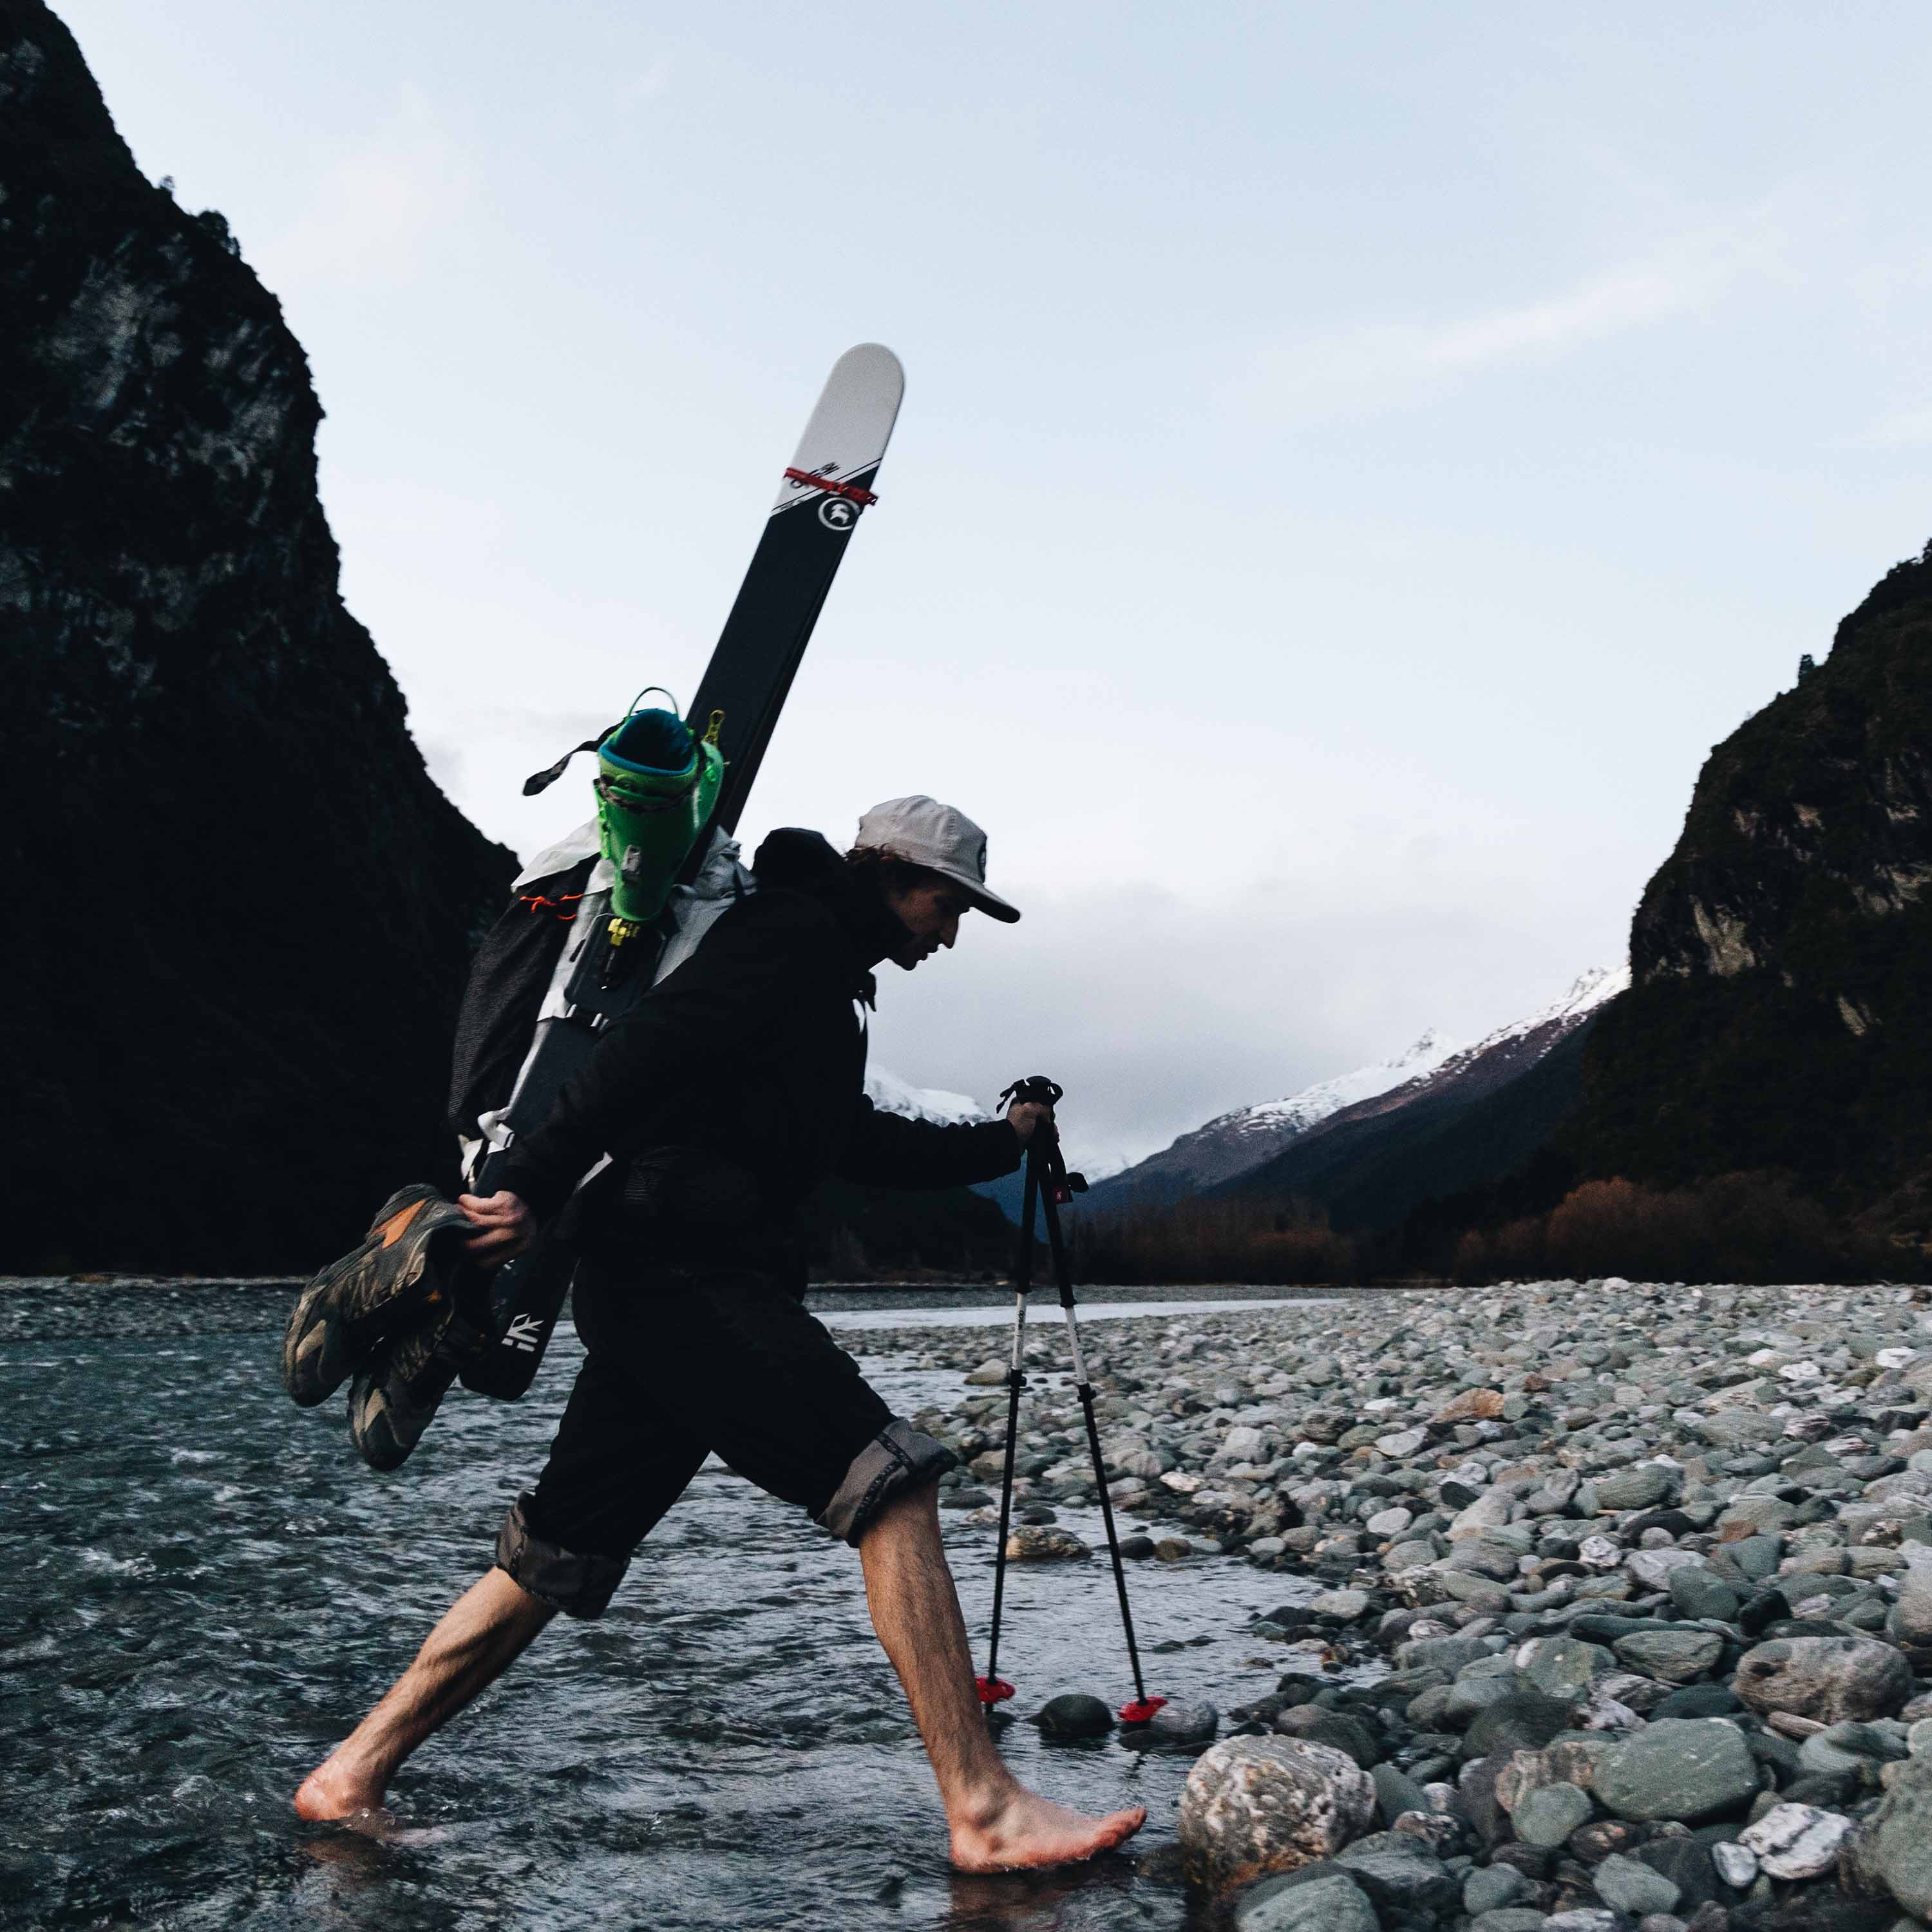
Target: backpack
[[518, 984]]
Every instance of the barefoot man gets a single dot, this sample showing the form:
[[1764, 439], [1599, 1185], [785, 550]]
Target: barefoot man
[[721, 1099]]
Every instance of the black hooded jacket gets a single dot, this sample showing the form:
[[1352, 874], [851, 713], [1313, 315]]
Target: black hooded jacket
[[729, 1092]]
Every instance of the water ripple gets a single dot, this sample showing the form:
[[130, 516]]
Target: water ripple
[[205, 1589]]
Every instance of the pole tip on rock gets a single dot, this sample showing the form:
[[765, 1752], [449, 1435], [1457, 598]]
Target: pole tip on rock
[[993, 1691], [1140, 1710]]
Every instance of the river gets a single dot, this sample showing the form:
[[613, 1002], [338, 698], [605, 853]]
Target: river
[[204, 1588]]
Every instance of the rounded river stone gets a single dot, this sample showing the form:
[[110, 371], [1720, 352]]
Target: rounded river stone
[[1547, 1816], [1828, 1677], [1688, 1769], [1074, 1715], [1325, 1901], [1253, 1806]]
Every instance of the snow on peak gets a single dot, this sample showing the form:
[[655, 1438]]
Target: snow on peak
[[1299, 1111], [1587, 991], [1596, 988], [891, 1095]]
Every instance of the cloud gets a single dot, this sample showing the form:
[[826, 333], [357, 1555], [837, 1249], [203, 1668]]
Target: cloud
[[376, 208], [1378, 365], [647, 84], [1903, 429], [1158, 1010]]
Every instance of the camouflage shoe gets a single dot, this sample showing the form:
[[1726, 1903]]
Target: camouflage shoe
[[393, 1398], [345, 1314]]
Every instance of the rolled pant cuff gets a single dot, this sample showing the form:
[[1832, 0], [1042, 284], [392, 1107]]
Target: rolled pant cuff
[[579, 1586], [899, 1458]]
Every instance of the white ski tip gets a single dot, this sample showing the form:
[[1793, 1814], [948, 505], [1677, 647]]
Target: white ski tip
[[851, 425]]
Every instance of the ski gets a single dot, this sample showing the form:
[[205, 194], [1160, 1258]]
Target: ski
[[823, 492]]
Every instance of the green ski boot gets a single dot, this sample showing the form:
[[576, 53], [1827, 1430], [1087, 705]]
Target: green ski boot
[[657, 782]]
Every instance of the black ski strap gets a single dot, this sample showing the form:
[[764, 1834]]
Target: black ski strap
[[542, 780]]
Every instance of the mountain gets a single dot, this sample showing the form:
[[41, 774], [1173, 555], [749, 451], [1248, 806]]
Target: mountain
[[1779, 1022], [891, 1095], [1235, 1144], [241, 911], [855, 1234], [1472, 1117]]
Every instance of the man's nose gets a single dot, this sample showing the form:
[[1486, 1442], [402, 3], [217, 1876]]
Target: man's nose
[[948, 933]]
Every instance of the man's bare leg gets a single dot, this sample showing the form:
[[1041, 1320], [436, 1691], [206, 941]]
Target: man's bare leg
[[481, 1636], [996, 1824]]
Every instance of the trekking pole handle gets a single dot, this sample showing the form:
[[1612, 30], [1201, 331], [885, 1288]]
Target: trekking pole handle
[[1037, 1090]]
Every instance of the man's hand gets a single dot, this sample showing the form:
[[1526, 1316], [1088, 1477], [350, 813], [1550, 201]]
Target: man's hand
[[505, 1228], [1024, 1117]]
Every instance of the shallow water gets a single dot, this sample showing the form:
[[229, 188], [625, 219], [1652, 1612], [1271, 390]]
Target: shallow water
[[203, 1589], [1041, 1309]]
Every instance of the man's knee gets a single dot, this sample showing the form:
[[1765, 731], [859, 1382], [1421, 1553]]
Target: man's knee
[[898, 1463], [579, 1586]]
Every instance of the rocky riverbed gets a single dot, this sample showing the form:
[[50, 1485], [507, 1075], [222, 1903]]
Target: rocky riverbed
[[1648, 1570]]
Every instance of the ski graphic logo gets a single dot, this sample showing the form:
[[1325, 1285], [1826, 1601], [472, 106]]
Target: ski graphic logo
[[835, 513], [525, 1333]]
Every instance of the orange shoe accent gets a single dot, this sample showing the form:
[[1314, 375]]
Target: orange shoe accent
[[397, 1226]]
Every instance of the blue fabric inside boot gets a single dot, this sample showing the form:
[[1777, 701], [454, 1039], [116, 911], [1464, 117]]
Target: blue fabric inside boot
[[653, 744]]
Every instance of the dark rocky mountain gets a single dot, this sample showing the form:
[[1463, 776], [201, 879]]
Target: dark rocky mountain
[[1472, 1119], [1755, 1106], [241, 910], [1781, 1019]]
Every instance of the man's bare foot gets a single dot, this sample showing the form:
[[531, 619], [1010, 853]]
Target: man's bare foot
[[1021, 1831], [330, 1793]]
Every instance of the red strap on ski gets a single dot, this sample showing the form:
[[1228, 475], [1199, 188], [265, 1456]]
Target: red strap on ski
[[831, 487], [1138, 1710], [993, 1691]]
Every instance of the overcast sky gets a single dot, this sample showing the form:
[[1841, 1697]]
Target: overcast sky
[[1354, 463]]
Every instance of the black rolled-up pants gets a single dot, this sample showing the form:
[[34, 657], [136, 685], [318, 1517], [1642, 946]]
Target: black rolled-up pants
[[679, 1362]]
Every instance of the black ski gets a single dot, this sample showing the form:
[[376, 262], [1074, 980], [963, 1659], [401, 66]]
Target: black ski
[[824, 491]]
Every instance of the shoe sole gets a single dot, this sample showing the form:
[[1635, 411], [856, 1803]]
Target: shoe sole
[[391, 1407]]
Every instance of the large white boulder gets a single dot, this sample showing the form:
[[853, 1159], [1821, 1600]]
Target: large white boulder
[[1255, 1806]]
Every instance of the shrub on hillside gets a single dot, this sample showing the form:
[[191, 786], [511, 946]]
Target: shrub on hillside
[[1208, 1241], [1736, 1227]]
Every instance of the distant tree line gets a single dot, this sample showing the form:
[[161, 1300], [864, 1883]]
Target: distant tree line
[[1752, 1227]]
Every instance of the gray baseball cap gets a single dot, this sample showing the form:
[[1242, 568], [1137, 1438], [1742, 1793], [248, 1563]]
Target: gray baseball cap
[[923, 832]]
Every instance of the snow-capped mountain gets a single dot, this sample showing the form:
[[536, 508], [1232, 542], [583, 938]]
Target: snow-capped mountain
[[1498, 1057], [891, 1095], [1274, 1121], [1233, 1143], [1250, 1143], [1468, 1121]]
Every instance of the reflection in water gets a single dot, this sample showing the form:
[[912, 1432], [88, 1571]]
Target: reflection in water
[[205, 1589]]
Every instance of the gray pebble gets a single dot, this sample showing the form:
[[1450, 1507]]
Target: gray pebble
[[1548, 1816], [1327, 1900], [1488, 1887], [1633, 1887], [1737, 1865]]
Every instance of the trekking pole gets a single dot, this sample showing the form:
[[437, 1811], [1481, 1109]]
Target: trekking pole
[[993, 1688], [1047, 1179]]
